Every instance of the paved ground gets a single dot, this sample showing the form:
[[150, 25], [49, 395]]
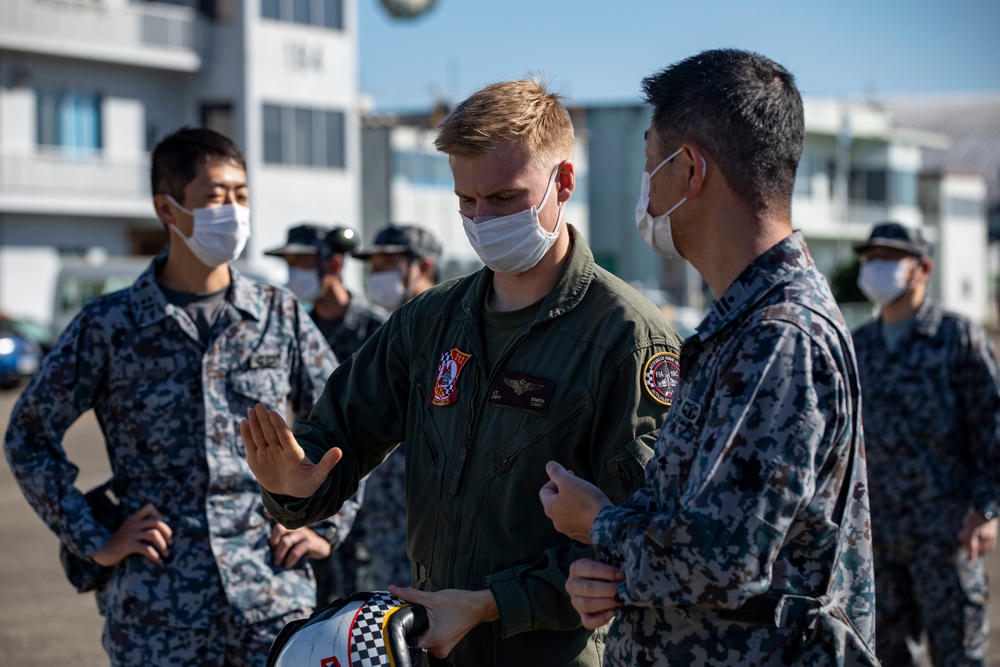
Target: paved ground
[[44, 622]]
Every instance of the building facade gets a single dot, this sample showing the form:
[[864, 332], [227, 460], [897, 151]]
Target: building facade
[[87, 87]]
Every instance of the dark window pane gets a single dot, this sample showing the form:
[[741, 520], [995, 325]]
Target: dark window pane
[[335, 150], [270, 9], [301, 11], [303, 137], [272, 134], [333, 14], [46, 119]]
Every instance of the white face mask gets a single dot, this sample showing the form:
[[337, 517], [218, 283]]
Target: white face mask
[[656, 231], [386, 289], [512, 243], [883, 281], [304, 283], [220, 232]]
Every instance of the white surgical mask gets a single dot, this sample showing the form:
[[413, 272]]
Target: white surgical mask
[[883, 281], [304, 283], [512, 243], [655, 231], [386, 289], [220, 232]]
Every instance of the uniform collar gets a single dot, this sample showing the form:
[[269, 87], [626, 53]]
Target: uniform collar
[[564, 296], [149, 305], [928, 318], [777, 266]]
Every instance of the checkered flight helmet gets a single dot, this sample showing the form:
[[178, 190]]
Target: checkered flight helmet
[[371, 629]]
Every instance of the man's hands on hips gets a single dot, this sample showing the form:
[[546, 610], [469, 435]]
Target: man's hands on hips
[[143, 532], [591, 587], [571, 502], [451, 614], [289, 546], [979, 535], [276, 459]]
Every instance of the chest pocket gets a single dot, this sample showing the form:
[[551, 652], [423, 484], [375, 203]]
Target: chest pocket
[[152, 399], [246, 388]]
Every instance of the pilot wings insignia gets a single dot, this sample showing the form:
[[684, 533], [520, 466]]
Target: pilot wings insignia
[[521, 386]]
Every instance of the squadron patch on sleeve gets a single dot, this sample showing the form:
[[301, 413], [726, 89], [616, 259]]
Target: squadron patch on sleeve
[[446, 385], [660, 377]]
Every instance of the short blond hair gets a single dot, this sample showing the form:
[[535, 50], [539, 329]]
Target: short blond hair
[[521, 112]]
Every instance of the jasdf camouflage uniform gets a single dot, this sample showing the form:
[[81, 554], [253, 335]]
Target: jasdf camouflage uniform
[[741, 496], [337, 574], [932, 420], [169, 406]]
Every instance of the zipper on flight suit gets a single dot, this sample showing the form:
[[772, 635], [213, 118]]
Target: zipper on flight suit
[[457, 479], [467, 448]]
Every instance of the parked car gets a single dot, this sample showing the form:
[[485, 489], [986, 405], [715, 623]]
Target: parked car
[[19, 356]]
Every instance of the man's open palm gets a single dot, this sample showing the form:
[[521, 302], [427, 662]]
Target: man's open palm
[[276, 459]]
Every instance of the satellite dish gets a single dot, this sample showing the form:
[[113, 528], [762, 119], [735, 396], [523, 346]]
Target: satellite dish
[[407, 9]]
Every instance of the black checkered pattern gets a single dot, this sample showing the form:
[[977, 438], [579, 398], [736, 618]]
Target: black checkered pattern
[[367, 643]]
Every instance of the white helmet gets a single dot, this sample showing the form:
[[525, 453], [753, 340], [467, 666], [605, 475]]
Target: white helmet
[[368, 629]]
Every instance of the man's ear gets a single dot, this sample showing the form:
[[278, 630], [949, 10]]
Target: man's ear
[[566, 180], [698, 169], [164, 211]]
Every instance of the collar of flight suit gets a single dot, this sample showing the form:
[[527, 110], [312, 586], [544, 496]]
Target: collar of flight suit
[[775, 267], [149, 304], [564, 296]]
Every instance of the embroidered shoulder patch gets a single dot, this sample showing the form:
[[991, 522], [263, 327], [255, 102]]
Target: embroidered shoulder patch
[[446, 385], [660, 377]]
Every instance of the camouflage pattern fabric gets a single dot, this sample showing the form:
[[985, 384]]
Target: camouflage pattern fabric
[[930, 586], [932, 421], [224, 643], [169, 406], [347, 334], [741, 495]]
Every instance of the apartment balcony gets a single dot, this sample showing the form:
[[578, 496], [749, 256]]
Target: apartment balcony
[[80, 183], [156, 36]]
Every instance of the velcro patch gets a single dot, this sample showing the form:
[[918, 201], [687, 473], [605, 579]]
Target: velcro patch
[[517, 390], [660, 377], [265, 360], [446, 384]]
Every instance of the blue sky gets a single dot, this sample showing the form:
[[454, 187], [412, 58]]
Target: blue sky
[[599, 51]]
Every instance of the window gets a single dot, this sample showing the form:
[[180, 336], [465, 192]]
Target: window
[[904, 188], [70, 120], [868, 185], [320, 13], [957, 207], [218, 117], [304, 137]]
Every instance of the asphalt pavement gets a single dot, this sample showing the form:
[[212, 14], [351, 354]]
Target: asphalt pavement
[[45, 622]]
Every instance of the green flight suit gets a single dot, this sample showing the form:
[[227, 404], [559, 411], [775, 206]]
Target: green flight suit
[[585, 383]]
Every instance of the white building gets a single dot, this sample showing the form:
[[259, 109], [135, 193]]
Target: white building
[[858, 168], [87, 87]]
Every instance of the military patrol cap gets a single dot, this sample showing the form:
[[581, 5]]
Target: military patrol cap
[[402, 239], [895, 235], [308, 239]]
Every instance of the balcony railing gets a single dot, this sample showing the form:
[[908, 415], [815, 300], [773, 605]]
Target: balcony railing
[[68, 181], [163, 37]]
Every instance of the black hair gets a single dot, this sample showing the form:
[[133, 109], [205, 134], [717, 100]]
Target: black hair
[[177, 156], [743, 109]]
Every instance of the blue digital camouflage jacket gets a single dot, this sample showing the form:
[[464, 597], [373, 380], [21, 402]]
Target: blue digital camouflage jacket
[[169, 406], [741, 495]]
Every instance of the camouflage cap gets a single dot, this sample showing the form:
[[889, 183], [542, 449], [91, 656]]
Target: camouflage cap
[[897, 236], [403, 239]]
